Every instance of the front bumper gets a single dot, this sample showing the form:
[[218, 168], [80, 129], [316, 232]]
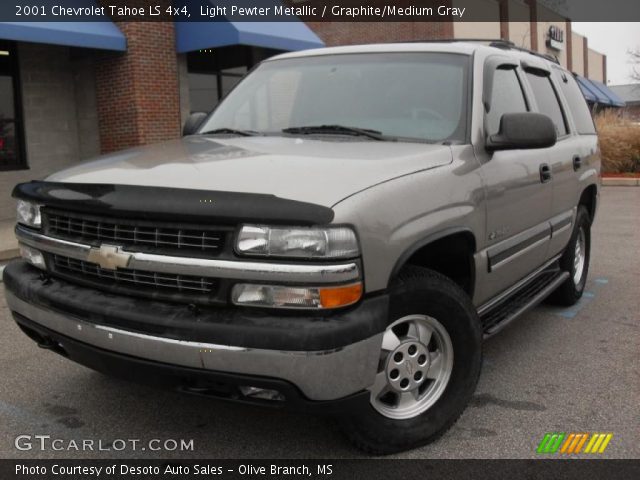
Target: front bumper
[[326, 357]]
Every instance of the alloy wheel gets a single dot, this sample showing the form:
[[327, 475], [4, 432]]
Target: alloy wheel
[[415, 366]]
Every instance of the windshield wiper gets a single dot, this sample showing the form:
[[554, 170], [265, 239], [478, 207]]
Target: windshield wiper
[[231, 131], [339, 129]]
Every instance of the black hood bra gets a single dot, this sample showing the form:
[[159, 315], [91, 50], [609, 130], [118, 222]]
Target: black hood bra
[[163, 203]]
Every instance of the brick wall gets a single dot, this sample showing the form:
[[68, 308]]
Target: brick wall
[[533, 23], [138, 95], [86, 104], [344, 33], [58, 125]]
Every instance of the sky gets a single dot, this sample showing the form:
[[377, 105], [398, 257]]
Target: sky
[[614, 40]]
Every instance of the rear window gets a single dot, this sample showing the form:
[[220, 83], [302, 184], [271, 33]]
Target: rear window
[[577, 104], [547, 100]]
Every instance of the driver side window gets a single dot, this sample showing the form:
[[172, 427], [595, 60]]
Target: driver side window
[[506, 97]]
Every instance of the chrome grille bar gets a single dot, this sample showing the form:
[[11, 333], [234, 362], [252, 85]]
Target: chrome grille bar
[[201, 267], [178, 283], [90, 230]]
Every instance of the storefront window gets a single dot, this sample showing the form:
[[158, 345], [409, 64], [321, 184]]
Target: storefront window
[[11, 149], [214, 72]]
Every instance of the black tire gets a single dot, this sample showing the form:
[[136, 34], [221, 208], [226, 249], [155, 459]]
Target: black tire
[[569, 292], [422, 291]]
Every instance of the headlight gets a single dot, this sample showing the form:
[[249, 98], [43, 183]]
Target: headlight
[[329, 242], [28, 214]]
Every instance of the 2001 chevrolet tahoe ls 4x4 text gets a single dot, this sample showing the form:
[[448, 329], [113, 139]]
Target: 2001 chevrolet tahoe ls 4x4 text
[[340, 233]]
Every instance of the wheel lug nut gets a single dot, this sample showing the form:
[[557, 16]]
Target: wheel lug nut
[[404, 383], [418, 376], [412, 350], [422, 359], [394, 374], [398, 357]]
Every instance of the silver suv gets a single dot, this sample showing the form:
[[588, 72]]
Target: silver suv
[[340, 234]]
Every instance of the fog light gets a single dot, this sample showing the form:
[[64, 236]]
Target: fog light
[[275, 296], [33, 256], [261, 393]]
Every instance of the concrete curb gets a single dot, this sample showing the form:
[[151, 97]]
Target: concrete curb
[[9, 254], [620, 182]]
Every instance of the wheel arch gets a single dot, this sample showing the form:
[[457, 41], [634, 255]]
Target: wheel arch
[[436, 251], [589, 198]]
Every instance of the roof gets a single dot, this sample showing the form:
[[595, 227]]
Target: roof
[[463, 46], [629, 93], [453, 47]]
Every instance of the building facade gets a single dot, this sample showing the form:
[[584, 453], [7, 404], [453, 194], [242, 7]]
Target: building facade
[[554, 36], [68, 96]]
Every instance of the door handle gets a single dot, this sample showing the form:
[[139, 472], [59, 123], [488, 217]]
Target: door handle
[[545, 173], [577, 163]]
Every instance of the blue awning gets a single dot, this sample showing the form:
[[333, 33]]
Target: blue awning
[[288, 36], [598, 92], [101, 35], [586, 91], [615, 100]]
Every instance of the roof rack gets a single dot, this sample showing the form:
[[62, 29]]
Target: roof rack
[[492, 42], [508, 45]]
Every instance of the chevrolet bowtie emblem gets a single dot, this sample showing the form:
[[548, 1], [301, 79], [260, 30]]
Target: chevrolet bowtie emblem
[[109, 257]]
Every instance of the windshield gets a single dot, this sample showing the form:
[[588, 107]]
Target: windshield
[[410, 96]]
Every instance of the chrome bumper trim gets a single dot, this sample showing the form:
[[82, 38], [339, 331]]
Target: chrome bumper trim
[[237, 270], [314, 373]]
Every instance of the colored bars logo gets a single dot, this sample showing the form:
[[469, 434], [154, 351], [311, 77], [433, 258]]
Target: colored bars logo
[[572, 443]]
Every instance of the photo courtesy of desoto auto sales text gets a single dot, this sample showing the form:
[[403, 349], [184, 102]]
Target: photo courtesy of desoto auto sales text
[[344, 239]]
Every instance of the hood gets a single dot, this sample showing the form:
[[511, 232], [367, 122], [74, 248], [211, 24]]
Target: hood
[[314, 171]]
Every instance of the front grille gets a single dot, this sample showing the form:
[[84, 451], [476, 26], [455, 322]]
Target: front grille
[[157, 285], [162, 239]]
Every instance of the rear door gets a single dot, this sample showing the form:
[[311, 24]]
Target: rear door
[[571, 163], [562, 156]]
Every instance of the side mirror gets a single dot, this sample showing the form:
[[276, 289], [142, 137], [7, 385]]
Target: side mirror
[[523, 131], [193, 123]]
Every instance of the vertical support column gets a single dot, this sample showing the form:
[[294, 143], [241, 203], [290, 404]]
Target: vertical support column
[[138, 93], [504, 19], [533, 23], [569, 44], [585, 56]]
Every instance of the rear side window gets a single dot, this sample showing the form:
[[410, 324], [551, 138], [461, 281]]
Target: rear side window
[[577, 104], [547, 101], [506, 97]]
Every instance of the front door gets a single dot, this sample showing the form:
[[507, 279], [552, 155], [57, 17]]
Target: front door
[[518, 189]]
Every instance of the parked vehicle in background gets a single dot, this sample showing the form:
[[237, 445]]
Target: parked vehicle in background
[[340, 234]]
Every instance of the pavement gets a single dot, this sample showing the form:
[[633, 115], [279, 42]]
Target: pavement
[[554, 370]]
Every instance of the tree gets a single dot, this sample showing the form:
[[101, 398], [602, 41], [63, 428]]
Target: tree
[[634, 59]]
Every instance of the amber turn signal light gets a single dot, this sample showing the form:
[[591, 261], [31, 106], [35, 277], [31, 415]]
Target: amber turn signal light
[[340, 296]]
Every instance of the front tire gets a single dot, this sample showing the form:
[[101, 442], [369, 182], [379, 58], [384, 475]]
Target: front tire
[[575, 260], [429, 366]]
